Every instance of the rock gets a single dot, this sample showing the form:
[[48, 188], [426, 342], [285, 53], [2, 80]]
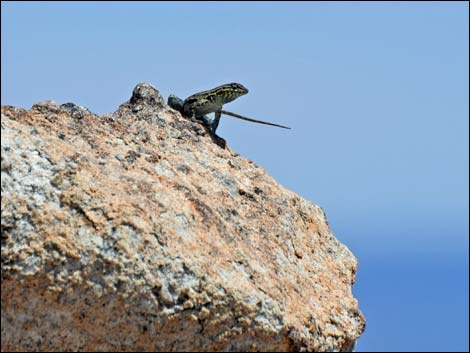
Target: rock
[[145, 99], [76, 111], [135, 232]]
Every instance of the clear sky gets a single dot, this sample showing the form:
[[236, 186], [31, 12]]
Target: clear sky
[[377, 98]]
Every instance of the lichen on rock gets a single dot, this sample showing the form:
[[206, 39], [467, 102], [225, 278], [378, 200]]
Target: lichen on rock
[[134, 231]]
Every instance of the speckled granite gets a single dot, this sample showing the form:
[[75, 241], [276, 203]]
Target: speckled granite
[[134, 231]]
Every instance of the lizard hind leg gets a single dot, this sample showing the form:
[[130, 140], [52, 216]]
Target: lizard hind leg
[[175, 103]]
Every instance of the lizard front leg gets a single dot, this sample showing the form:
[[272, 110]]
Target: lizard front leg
[[212, 125], [215, 123]]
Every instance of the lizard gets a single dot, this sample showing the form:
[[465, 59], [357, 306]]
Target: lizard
[[200, 104]]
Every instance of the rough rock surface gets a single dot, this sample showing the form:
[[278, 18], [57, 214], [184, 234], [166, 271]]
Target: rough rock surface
[[134, 231]]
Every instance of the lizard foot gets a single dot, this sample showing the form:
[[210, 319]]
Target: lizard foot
[[219, 141]]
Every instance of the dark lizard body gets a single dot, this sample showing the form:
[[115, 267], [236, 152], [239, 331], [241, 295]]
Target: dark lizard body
[[211, 101]]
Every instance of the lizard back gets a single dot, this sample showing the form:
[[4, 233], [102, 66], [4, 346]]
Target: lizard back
[[212, 100]]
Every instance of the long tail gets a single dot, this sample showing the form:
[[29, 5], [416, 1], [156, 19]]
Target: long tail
[[252, 120]]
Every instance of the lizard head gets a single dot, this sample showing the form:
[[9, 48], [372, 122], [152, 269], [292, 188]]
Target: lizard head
[[233, 91], [238, 88]]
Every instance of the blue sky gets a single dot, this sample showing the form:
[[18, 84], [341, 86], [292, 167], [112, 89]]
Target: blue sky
[[377, 98]]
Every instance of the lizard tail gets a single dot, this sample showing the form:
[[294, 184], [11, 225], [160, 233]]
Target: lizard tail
[[252, 120]]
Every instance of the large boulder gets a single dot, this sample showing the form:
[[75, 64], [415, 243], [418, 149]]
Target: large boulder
[[134, 231]]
